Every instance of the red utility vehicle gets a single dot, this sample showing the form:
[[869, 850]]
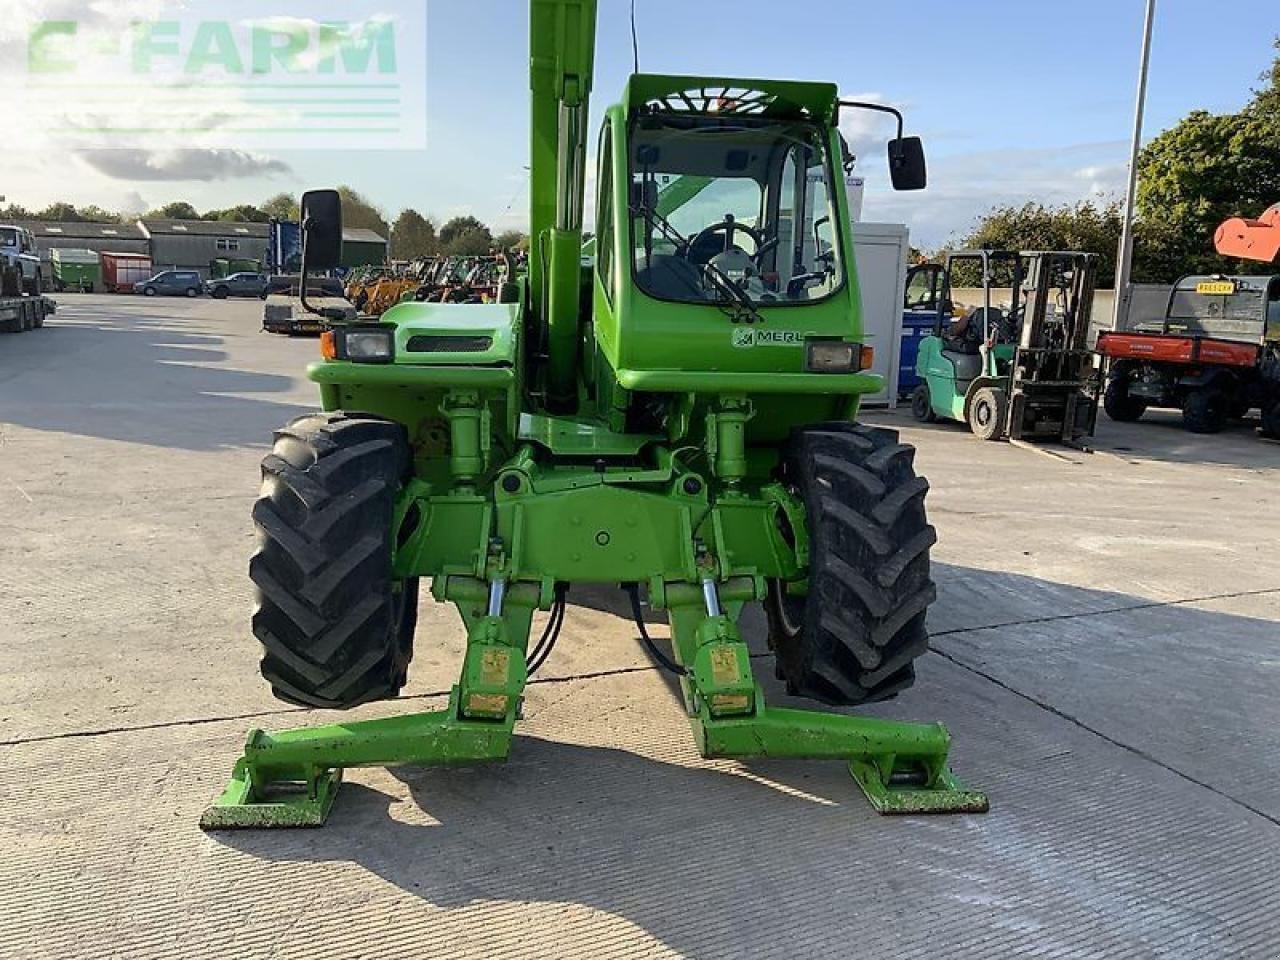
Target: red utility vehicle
[[1214, 355]]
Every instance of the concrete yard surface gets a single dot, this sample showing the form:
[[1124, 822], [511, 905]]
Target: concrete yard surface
[[1106, 654]]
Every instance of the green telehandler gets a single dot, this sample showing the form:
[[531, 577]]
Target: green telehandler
[[676, 417]]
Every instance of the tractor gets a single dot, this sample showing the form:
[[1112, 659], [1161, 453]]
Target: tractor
[[676, 416], [1016, 372]]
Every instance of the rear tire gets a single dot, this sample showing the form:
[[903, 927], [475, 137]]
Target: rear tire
[[1205, 410], [986, 413], [335, 626], [192, 292], [1271, 421], [11, 283], [855, 637], [1121, 406], [922, 405]]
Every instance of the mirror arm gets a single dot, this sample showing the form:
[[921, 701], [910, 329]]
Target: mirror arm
[[302, 281], [879, 107], [329, 313]]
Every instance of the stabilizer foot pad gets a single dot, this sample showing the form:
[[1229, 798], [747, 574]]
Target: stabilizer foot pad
[[307, 807], [948, 795]]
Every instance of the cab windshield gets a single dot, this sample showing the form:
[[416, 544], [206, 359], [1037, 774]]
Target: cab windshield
[[8, 237], [733, 208]]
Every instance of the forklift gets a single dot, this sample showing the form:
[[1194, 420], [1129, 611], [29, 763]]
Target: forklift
[[1021, 371]]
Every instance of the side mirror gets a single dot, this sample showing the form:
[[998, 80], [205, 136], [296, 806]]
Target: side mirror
[[906, 164], [321, 230]]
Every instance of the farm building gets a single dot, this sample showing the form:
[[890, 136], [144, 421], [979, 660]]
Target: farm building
[[194, 244], [362, 248]]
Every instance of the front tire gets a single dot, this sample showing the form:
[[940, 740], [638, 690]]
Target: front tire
[[1205, 410], [986, 413], [855, 636], [149, 291], [336, 627], [1121, 406]]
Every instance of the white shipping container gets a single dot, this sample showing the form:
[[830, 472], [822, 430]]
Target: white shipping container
[[881, 252]]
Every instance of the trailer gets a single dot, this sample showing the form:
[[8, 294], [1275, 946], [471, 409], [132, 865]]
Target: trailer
[[120, 271], [18, 314], [223, 267], [75, 269], [284, 313], [1214, 355]]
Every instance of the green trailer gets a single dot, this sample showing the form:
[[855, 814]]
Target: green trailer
[[224, 267], [75, 269]]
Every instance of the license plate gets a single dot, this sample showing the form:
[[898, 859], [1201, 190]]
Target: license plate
[[1216, 288]]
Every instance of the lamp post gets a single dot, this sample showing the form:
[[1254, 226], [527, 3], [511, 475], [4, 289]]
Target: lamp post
[[1124, 264]]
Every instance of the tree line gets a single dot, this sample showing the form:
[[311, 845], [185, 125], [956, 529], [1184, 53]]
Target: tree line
[[1205, 169], [411, 235]]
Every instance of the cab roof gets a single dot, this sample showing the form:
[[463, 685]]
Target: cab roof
[[728, 96]]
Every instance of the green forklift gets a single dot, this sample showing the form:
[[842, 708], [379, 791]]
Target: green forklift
[[1017, 371]]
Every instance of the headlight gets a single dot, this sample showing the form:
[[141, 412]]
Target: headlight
[[375, 344], [837, 356]]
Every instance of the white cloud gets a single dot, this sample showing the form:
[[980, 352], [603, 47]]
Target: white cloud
[[962, 187], [132, 204], [202, 165], [867, 131]]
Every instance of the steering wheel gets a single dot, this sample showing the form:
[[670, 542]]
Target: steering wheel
[[704, 245]]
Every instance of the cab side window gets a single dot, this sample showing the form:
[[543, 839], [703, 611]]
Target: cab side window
[[604, 216]]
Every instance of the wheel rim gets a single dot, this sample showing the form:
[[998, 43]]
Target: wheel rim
[[790, 610], [982, 414], [920, 405]]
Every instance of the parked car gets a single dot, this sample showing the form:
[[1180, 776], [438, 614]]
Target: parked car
[[170, 283], [237, 285], [18, 253]]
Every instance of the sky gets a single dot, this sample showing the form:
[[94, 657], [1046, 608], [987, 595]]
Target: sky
[[1015, 101]]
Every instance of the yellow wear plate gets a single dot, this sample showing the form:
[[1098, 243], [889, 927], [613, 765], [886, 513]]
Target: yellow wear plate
[[1216, 287]]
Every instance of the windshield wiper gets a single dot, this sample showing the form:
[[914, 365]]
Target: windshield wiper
[[723, 283], [731, 294]]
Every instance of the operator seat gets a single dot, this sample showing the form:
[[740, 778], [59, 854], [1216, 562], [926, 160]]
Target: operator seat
[[669, 277], [962, 350]]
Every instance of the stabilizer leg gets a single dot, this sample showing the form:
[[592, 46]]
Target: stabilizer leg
[[289, 779], [901, 767]]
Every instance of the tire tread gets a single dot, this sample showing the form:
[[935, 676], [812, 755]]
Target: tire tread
[[863, 623], [326, 612]]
